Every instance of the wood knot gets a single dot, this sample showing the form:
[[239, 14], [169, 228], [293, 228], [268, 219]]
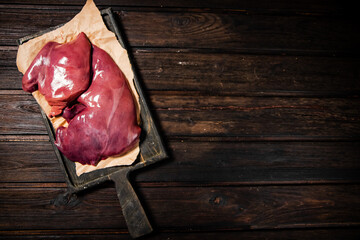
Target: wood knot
[[190, 121], [65, 200], [181, 21], [217, 201]]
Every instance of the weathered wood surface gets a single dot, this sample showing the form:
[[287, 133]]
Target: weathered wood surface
[[184, 115], [229, 74], [258, 104], [233, 31], [349, 234], [295, 6], [206, 208], [217, 163], [310, 234]]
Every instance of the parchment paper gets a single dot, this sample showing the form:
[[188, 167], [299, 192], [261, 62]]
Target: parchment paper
[[90, 22]]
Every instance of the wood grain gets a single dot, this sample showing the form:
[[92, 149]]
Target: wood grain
[[182, 115], [257, 101], [241, 74], [215, 208], [199, 163], [205, 30], [318, 6], [238, 31], [25, 115], [306, 234], [29, 162], [225, 74], [19, 22], [232, 116]]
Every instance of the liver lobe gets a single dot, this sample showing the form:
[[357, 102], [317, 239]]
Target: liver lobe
[[103, 122], [82, 83], [61, 72]]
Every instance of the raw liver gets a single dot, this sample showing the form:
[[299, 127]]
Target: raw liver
[[61, 72], [84, 85], [103, 122]]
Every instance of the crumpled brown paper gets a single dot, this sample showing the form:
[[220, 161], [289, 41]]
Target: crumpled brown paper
[[90, 22]]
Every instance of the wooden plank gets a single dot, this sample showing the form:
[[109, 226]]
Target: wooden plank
[[235, 74], [238, 116], [39, 19], [240, 74], [10, 77], [219, 116], [215, 208], [205, 30], [8, 56], [306, 234], [212, 163], [238, 31], [22, 138], [256, 163], [318, 6], [29, 162], [25, 115]]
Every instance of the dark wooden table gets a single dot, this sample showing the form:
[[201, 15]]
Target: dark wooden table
[[257, 102]]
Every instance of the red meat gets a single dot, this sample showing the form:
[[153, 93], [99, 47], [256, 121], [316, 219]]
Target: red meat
[[61, 72], [86, 87], [103, 123]]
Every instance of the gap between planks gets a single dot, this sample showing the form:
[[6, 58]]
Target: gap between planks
[[243, 51], [264, 94], [110, 231], [280, 227], [161, 8], [45, 138], [63, 185]]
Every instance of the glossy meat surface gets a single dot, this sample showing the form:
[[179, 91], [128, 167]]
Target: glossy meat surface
[[103, 123], [61, 72]]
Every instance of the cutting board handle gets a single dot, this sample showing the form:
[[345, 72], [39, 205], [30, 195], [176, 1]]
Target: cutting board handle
[[134, 214]]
